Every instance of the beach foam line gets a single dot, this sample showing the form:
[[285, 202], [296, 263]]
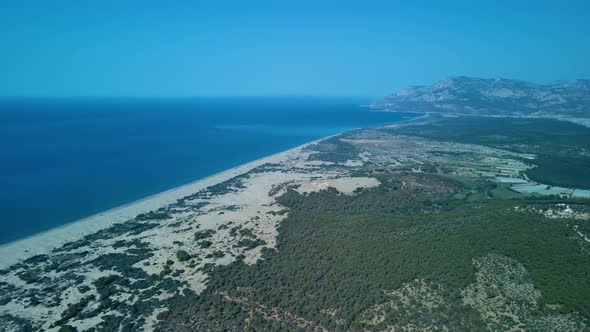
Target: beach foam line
[[42, 243]]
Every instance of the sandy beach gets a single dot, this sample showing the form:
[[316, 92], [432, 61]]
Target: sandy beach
[[201, 225], [44, 242]]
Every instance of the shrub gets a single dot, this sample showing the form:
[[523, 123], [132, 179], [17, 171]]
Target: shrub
[[205, 244], [182, 255], [204, 234]]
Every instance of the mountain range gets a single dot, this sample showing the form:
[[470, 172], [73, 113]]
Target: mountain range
[[497, 96]]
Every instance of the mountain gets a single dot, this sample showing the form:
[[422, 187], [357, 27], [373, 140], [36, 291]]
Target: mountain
[[499, 96]]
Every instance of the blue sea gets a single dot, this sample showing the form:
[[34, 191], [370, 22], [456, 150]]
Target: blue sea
[[65, 159]]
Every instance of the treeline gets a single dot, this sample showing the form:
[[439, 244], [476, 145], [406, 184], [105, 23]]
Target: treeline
[[329, 267], [561, 147], [421, 193]]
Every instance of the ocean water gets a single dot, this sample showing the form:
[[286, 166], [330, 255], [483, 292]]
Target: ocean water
[[65, 159]]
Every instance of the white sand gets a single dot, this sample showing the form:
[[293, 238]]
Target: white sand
[[346, 185], [44, 242], [250, 207]]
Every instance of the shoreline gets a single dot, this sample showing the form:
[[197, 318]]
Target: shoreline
[[44, 242], [582, 121]]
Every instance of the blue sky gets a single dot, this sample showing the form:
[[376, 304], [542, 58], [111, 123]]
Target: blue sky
[[235, 48]]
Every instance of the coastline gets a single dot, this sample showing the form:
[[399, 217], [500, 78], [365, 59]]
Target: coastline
[[44, 242]]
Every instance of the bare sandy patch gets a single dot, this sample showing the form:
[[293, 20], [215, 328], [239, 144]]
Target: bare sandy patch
[[345, 185], [183, 233]]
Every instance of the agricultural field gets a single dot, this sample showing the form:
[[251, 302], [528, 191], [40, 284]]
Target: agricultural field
[[561, 149]]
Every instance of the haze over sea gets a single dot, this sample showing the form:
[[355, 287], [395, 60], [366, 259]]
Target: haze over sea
[[65, 159]]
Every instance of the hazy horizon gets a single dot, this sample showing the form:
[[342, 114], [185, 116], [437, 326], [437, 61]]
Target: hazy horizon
[[227, 48], [305, 165], [254, 96]]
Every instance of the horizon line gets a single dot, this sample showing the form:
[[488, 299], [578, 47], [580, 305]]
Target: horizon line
[[188, 96]]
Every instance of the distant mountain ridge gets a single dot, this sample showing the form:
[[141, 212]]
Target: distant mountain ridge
[[498, 96]]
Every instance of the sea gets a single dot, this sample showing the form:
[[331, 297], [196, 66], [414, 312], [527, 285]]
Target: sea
[[66, 159]]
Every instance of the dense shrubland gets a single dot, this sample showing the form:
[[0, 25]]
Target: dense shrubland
[[338, 255]]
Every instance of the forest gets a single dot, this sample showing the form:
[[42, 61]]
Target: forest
[[338, 256]]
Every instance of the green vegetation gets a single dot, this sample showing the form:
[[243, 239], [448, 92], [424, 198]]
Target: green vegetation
[[434, 190], [251, 244], [166, 270], [182, 256], [334, 150], [573, 171], [74, 310], [432, 247], [247, 232], [278, 213], [562, 148], [217, 254], [205, 244], [330, 268], [67, 328], [204, 234], [153, 215]]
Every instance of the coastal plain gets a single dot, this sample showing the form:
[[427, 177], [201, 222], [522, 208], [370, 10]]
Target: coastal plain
[[416, 226]]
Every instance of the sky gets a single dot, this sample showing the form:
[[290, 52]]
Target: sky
[[149, 48]]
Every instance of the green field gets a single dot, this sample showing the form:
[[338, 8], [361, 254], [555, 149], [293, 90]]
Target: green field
[[562, 148]]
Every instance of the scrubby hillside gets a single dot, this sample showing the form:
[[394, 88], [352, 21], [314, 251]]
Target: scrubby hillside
[[467, 95]]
